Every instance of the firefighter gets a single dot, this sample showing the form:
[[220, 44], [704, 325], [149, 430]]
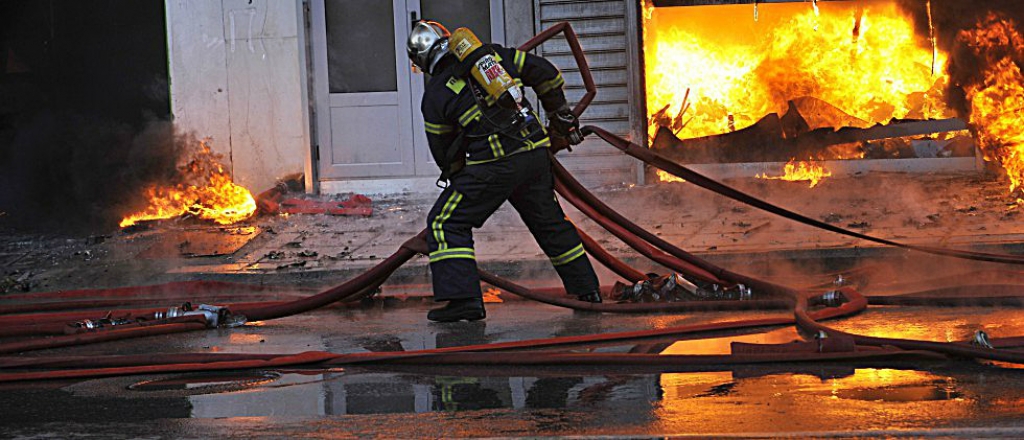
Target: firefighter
[[491, 148]]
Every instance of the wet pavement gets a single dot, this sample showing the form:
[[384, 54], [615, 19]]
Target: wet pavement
[[961, 210], [951, 399], [961, 399]]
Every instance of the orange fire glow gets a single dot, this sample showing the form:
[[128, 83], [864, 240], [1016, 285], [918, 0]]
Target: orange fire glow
[[801, 172], [997, 104], [206, 192], [861, 58], [665, 176]]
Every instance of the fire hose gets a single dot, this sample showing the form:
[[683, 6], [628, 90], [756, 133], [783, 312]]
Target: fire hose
[[829, 305]]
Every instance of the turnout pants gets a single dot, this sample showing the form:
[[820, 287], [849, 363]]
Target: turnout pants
[[474, 194]]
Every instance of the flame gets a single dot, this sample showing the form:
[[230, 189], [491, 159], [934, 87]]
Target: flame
[[864, 59], [492, 295], [996, 105], [206, 191], [665, 176], [801, 172]]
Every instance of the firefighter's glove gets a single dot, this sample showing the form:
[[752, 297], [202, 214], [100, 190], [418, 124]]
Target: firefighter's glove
[[564, 125]]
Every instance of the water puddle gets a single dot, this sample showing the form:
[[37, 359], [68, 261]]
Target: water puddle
[[208, 383]]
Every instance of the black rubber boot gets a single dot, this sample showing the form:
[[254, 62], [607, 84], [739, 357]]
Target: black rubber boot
[[591, 297], [458, 310]]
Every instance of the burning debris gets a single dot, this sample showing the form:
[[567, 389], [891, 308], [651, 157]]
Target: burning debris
[[863, 59], [996, 104], [836, 72], [202, 189], [801, 172]]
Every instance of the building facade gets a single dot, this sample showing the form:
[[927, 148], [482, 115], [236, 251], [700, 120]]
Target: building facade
[[324, 87]]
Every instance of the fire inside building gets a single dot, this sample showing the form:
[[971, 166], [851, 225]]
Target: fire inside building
[[221, 211]]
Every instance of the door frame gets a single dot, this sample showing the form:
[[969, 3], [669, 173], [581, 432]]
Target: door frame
[[409, 95], [425, 165], [324, 100]]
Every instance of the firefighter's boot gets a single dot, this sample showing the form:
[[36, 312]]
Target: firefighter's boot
[[471, 309], [591, 297]]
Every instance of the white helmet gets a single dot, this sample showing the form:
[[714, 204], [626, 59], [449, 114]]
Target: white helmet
[[428, 43]]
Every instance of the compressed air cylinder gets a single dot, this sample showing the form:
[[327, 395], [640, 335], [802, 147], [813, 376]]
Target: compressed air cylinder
[[486, 70]]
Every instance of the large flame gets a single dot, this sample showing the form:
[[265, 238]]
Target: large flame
[[862, 58], [996, 105], [801, 172], [206, 191]]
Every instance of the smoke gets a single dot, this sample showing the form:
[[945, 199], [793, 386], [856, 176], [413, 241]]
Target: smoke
[[76, 171], [955, 24], [84, 111]]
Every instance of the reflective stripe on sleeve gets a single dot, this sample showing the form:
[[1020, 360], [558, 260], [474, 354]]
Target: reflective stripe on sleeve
[[550, 84], [438, 128]]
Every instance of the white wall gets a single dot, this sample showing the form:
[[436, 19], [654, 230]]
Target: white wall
[[238, 74]]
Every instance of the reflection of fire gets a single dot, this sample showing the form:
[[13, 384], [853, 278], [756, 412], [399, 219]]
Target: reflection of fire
[[997, 104], [205, 191], [801, 172]]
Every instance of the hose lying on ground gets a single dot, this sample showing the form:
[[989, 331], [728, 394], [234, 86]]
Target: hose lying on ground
[[807, 307]]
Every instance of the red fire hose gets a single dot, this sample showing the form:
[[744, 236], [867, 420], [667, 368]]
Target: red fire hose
[[808, 307], [652, 158]]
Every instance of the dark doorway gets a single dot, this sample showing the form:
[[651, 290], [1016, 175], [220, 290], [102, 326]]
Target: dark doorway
[[80, 83]]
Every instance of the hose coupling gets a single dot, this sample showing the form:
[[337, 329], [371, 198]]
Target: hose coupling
[[745, 293], [820, 337], [832, 298], [90, 324], [681, 281], [840, 281], [216, 316], [981, 339]]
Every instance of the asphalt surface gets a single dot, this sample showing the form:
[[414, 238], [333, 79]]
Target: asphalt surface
[[950, 398], [946, 399], [965, 211]]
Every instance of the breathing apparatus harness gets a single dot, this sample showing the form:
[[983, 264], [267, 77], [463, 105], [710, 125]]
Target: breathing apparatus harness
[[503, 108]]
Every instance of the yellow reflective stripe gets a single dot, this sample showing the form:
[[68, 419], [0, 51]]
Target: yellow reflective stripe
[[495, 144], [465, 253], [550, 85], [438, 128], [521, 150], [543, 143], [520, 60], [569, 256], [469, 115], [455, 84], [446, 212], [478, 162]]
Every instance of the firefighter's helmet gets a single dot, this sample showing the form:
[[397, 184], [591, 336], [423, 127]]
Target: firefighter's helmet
[[428, 43]]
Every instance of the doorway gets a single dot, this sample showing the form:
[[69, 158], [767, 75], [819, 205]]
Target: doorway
[[369, 124]]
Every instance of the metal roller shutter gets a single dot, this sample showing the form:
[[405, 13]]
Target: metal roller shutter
[[602, 27]]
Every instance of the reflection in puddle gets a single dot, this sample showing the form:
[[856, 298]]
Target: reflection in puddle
[[208, 382], [933, 324], [764, 403], [884, 385], [723, 345]]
